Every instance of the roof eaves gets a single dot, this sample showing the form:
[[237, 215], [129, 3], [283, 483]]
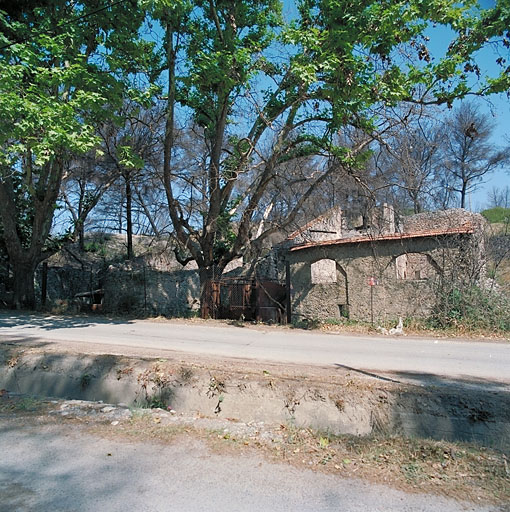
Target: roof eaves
[[465, 229]]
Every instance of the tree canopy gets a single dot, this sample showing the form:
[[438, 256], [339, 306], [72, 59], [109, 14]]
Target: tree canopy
[[60, 78], [262, 92], [258, 95]]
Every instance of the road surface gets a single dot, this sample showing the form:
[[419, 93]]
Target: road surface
[[49, 468], [480, 361]]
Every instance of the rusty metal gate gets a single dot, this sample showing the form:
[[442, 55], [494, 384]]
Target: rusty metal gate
[[245, 299]]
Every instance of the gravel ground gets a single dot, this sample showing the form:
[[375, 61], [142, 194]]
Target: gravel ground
[[53, 460]]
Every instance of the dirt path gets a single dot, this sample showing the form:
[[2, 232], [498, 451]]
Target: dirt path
[[73, 455]]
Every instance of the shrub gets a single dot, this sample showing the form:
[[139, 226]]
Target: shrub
[[473, 308]]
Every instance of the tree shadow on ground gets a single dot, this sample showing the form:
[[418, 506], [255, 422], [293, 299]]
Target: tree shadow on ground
[[23, 342], [464, 382], [429, 379], [51, 322], [59, 475], [70, 376], [443, 408]]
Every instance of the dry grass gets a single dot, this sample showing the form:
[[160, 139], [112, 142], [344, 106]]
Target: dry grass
[[142, 428], [503, 275], [462, 471], [20, 404], [417, 327]]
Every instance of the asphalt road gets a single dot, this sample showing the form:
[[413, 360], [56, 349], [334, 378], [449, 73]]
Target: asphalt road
[[479, 361], [48, 468]]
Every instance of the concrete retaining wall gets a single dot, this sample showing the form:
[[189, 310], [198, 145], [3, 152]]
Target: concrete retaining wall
[[340, 405]]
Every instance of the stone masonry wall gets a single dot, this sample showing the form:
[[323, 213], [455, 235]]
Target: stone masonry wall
[[357, 263], [442, 220], [65, 282], [150, 292], [127, 289], [325, 227]]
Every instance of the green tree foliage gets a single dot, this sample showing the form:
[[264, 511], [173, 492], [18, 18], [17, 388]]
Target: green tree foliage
[[64, 66], [262, 92], [497, 215], [259, 94]]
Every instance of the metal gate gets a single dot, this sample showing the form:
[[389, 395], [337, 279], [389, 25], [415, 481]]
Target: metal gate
[[245, 299]]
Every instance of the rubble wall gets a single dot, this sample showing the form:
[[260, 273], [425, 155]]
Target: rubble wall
[[391, 296], [150, 292], [442, 220], [65, 282]]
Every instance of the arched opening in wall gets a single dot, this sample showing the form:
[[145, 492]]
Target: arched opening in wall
[[323, 271], [329, 293], [416, 266]]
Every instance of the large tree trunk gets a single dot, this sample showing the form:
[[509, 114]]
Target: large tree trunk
[[24, 292], [81, 237], [463, 194], [79, 222], [129, 217], [25, 253], [209, 292]]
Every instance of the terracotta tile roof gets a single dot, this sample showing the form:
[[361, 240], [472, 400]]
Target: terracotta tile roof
[[464, 229]]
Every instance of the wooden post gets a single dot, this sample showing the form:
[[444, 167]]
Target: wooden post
[[372, 281], [287, 287], [372, 304], [44, 283], [144, 291]]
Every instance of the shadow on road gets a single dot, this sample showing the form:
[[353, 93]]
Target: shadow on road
[[367, 373], [432, 380], [52, 322], [464, 382], [23, 342], [53, 479], [441, 407]]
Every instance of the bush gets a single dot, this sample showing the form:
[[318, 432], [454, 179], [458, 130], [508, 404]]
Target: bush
[[472, 308]]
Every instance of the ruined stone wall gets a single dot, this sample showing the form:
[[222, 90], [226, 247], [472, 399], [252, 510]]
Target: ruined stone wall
[[65, 282], [130, 289], [325, 227], [150, 292], [411, 295], [442, 220], [326, 298]]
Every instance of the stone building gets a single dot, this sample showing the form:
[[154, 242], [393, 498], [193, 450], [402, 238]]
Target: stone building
[[382, 273], [334, 266]]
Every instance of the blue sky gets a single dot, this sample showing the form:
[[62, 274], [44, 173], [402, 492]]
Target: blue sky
[[497, 107], [501, 178]]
